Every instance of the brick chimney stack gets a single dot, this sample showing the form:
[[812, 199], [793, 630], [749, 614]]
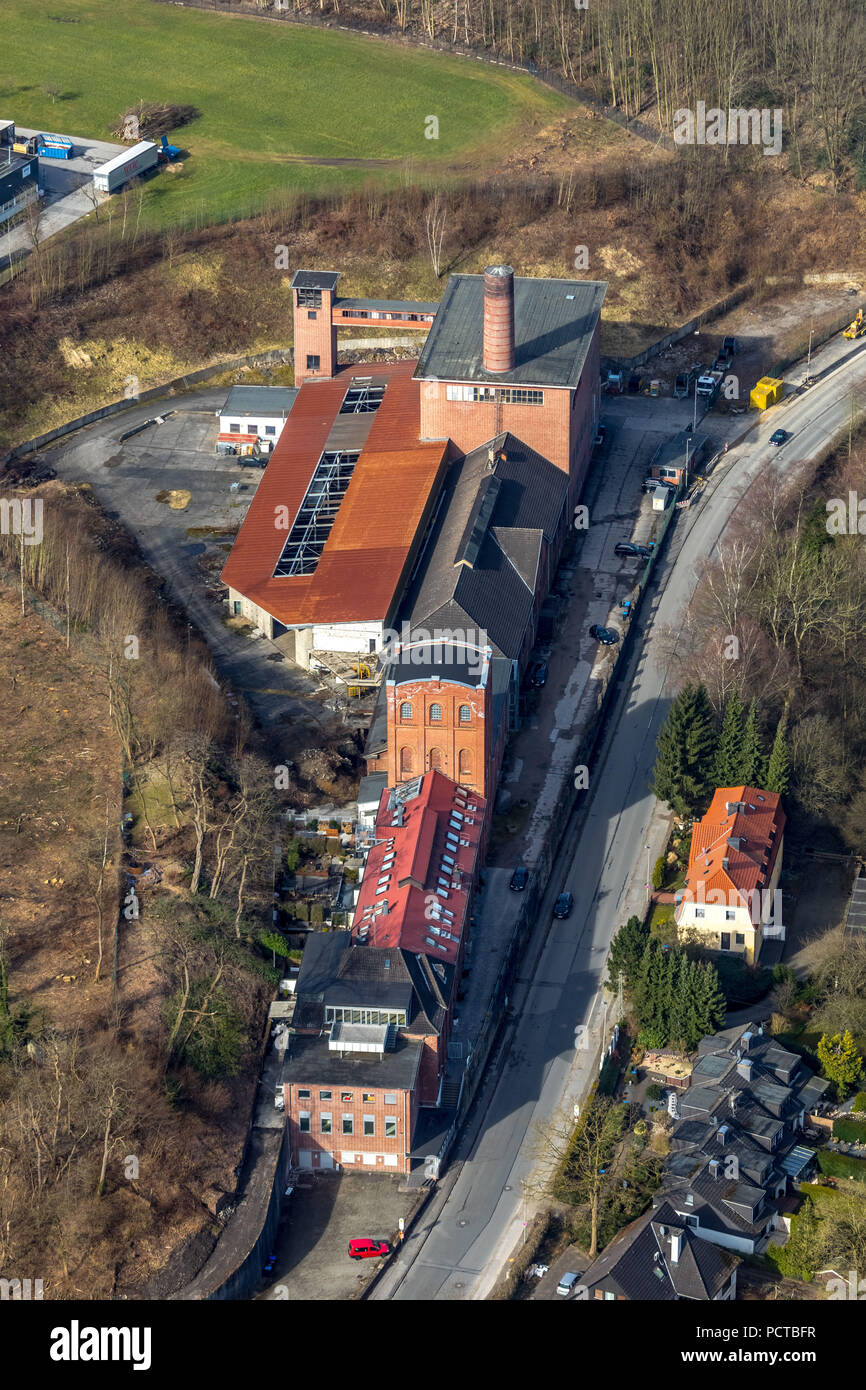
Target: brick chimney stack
[[498, 319]]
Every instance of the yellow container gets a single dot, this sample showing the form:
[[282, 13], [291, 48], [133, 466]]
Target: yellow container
[[767, 392]]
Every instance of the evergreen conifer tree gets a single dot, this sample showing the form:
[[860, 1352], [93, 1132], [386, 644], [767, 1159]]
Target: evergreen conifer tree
[[779, 768], [753, 762], [729, 752], [683, 771]]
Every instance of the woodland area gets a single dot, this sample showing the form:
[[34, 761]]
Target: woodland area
[[793, 597], [125, 1082], [106, 300], [647, 58]]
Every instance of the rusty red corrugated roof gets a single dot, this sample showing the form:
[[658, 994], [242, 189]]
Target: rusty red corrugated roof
[[365, 560]]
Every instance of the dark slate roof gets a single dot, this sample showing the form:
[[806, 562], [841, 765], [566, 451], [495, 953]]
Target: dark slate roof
[[453, 664], [485, 583], [320, 962], [336, 973], [638, 1262], [260, 400], [377, 734], [715, 1201], [315, 279], [311, 1059], [554, 321]]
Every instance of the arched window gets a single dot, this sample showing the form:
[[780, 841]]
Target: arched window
[[464, 763], [465, 715], [434, 760], [435, 714], [406, 762], [406, 710]]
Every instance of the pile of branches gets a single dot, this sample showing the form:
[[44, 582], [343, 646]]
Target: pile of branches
[[156, 118]]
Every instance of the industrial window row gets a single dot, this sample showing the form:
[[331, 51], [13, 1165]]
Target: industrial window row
[[503, 395]]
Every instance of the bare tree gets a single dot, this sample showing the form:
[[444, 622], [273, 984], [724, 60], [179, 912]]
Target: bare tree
[[435, 221]]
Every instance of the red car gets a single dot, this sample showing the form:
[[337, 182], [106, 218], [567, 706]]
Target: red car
[[368, 1249]]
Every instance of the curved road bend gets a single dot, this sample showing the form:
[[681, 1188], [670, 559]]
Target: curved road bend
[[475, 1219]]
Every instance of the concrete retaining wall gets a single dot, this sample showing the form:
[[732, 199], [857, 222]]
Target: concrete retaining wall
[[154, 393]]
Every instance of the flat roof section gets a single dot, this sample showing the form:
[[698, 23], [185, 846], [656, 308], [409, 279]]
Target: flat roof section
[[260, 400], [311, 1059], [554, 321], [394, 306]]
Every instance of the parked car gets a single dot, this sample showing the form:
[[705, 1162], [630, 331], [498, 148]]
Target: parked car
[[565, 1287], [368, 1249], [780, 437], [563, 905], [730, 346], [604, 635], [650, 484], [629, 548], [519, 879], [538, 675]]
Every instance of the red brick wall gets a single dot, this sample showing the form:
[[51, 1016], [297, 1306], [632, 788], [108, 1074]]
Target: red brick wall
[[587, 399], [471, 423], [562, 429], [416, 737], [337, 1142], [315, 336]]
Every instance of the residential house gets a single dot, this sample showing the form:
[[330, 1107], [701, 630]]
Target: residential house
[[659, 1258], [732, 901], [737, 1141]]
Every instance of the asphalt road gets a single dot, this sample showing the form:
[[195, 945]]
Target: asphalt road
[[472, 1224]]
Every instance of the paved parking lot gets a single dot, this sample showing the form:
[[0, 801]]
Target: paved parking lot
[[571, 1261], [594, 584], [64, 181], [321, 1217], [179, 455]]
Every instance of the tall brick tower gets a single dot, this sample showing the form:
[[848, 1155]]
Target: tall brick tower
[[313, 294], [440, 714]]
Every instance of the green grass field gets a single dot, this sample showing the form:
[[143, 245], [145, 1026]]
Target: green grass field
[[267, 91]]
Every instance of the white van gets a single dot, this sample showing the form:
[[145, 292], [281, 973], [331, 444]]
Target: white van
[[661, 497]]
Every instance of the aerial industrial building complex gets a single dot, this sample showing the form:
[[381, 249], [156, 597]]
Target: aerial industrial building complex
[[412, 516]]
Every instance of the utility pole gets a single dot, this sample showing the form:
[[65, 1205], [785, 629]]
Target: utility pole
[[695, 416], [647, 874]]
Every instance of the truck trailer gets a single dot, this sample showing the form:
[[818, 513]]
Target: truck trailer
[[108, 178]]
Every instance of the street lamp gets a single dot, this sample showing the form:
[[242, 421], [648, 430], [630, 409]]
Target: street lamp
[[695, 416], [647, 873]]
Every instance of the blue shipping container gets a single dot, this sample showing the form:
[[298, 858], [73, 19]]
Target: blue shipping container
[[54, 147]]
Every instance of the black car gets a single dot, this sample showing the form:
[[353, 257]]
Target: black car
[[519, 879], [629, 548], [604, 635], [563, 905], [650, 484], [780, 437], [538, 675]]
